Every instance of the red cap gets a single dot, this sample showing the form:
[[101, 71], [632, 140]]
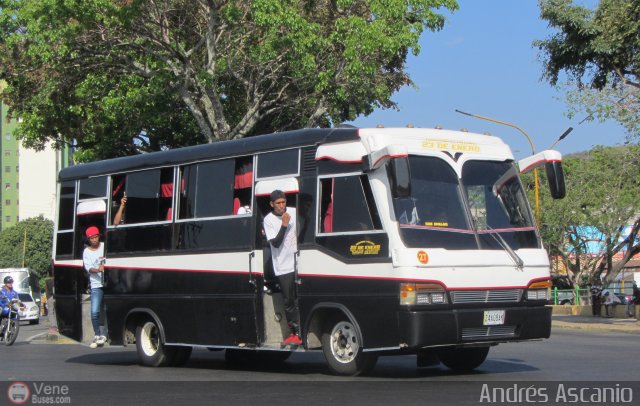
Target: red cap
[[91, 231]]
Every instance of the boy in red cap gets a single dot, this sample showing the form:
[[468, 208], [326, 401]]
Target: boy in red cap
[[93, 259]]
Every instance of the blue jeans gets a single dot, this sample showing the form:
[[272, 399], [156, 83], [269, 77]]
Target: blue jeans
[[96, 305]]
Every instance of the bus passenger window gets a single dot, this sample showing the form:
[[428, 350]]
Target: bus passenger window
[[243, 181], [165, 211], [117, 193], [199, 199], [347, 205]]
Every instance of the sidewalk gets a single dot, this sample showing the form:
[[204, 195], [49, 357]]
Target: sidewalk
[[618, 325], [51, 336]]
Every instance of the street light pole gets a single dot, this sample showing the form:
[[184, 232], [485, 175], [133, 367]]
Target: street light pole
[[533, 151]]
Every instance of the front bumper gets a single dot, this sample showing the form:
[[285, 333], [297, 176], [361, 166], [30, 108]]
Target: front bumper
[[420, 329], [29, 315]]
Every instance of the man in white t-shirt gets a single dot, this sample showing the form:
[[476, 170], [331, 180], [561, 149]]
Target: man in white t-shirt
[[93, 260], [610, 300], [280, 229]]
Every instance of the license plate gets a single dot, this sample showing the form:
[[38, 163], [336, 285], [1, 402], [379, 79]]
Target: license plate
[[493, 317]]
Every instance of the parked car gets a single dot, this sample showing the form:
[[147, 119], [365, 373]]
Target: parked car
[[30, 310]]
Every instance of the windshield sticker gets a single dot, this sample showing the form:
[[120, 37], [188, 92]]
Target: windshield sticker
[[436, 223], [365, 248], [444, 145]]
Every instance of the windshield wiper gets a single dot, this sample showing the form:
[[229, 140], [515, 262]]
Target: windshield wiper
[[514, 257]]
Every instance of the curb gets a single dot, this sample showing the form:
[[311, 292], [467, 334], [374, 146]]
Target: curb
[[50, 338], [619, 328]]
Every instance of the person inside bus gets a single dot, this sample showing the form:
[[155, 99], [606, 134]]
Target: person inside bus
[[7, 294], [119, 217], [280, 229], [93, 260]]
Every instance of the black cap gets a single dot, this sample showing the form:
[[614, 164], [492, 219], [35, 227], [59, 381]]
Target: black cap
[[8, 279], [277, 194]]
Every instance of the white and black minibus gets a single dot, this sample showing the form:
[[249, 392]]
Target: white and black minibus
[[411, 241]]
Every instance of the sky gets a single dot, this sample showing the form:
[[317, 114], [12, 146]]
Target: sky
[[483, 62]]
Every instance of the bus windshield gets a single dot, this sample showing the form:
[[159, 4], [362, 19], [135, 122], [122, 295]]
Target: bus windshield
[[444, 211]]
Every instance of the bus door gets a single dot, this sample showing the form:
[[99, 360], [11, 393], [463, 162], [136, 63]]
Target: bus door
[[272, 327], [72, 282]]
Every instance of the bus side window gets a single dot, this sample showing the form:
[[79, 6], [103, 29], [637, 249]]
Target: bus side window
[[199, 199], [117, 193], [242, 183], [165, 203], [347, 205], [142, 190]]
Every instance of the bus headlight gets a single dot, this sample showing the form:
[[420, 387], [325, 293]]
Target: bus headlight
[[422, 294], [538, 290]]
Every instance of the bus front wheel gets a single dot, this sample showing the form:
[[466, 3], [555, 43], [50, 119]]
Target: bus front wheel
[[342, 348], [151, 351], [463, 359]]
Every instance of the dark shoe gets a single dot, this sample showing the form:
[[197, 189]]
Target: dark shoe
[[293, 339]]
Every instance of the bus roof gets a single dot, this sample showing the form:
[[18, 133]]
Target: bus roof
[[244, 146], [418, 140]]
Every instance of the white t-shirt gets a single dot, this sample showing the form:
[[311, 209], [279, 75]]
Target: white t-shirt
[[283, 256], [91, 259], [609, 297]]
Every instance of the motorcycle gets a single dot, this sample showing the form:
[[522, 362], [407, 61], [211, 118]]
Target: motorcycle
[[10, 324]]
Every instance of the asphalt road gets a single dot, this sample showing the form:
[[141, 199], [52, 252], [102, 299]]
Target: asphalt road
[[112, 374]]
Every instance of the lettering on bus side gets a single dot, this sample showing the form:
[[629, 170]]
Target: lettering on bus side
[[365, 248]]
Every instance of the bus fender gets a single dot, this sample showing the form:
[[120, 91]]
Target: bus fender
[[136, 313], [317, 316]]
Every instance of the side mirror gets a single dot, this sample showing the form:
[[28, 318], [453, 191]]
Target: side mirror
[[552, 160], [555, 175], [399, 177]]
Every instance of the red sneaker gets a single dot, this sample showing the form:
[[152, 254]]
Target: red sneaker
[[293, 339]]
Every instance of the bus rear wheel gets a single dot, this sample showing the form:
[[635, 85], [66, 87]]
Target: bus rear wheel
[[151, 351], [342, 348], [463, 359]]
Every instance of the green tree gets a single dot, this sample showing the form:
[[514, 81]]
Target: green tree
[[117, 76], [36, 253], [600, 52], [618, 103], [591, 224]]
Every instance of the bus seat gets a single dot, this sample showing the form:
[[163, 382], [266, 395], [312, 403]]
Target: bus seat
[[327, 222], [166, 190], [236, 205]]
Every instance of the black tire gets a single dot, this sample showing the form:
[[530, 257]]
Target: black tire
[[12, 329], [463, 359], [151, 351], [33, 322], [342, 348], [181, 355]]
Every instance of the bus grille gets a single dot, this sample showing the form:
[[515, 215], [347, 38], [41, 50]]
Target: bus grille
[[475, 333], [486, 296]]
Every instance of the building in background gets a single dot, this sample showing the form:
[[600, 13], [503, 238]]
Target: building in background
[[28, 187], [9, 164], [37, 178]]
